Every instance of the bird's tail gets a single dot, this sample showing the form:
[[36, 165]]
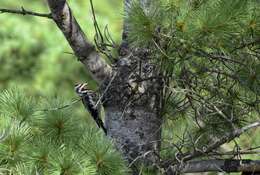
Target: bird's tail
[[101, 125]]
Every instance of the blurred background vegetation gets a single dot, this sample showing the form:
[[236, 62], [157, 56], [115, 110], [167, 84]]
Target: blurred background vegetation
[[35, 61], [34, 54]]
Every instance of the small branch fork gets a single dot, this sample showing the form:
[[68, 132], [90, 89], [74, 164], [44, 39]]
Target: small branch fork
[[219, 165], [82, 47], [84, 50], [23, 11], [223, 140], [185, 165]]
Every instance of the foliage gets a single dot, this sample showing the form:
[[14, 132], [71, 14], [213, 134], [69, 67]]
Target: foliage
[[44, 142], [208, 50], [51, 141]]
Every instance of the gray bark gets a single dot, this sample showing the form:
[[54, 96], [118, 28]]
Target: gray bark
[[83, 49], [132, 109], [227, 166], [136, 133]]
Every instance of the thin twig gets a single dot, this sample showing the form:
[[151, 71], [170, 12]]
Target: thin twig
[[232, 153], [217, 165], [105, 91], [257, 41], [26, 12], [204, 54], [225, 139], [139, 157], [61, 107]]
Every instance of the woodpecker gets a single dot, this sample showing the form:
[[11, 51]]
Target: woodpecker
[[89, 100]]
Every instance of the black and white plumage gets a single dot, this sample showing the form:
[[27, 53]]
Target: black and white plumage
[[89, 100]]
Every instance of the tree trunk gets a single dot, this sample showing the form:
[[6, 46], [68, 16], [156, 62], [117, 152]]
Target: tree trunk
[[136, 133], [132, 106], [133, 109]]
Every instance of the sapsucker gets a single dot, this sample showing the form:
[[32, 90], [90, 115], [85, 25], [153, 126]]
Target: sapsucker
[[89, 100]]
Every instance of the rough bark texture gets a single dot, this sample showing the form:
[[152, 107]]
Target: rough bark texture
[[253, 167], [136, 133], [132, 108]]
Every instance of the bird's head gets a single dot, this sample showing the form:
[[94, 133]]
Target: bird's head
[[81, 89]]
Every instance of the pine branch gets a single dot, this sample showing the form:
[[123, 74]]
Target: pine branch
[[221, 141], [127, 9], [254, 150], [26, 12], [204, 54], [207, 149], [83, 49], [218, 165], [61, 107], [252, 43]]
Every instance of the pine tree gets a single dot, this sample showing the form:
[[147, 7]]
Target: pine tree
[[42, 138], [184, 81]]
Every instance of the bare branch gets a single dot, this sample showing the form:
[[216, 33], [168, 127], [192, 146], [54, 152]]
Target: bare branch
[[203, 54], [218, 165], [257, 41], [222, 140], [26, 12], [83, 49], [61, 107], [235, 153], [211, 147]]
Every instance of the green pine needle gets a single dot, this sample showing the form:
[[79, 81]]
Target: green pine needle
[[69, 162], [101, 154], [15, 104]]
